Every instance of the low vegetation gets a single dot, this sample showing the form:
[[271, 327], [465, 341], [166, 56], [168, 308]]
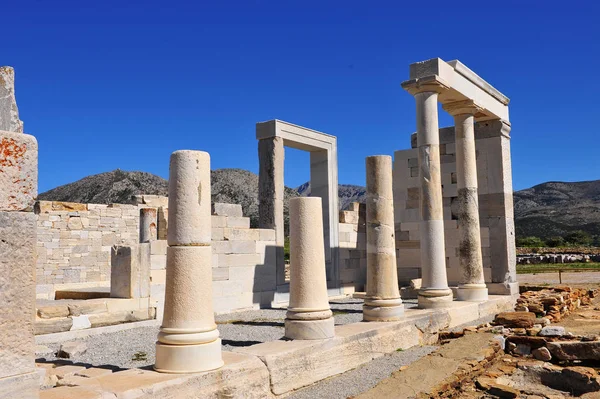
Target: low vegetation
[[554, 268]]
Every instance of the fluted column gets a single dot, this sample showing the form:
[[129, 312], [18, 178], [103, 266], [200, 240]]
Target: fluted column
[[309, 315], [382, 301], [434, 290], [472, 284], [188, 340]]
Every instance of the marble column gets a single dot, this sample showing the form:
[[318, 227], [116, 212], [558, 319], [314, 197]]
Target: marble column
[[271, 156], [472, 281], [308, 315], [148, 218], [382, 300], [188, 340], [434, 292]]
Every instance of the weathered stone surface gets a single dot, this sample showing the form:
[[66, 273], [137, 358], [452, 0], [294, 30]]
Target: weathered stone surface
[[516, 319], [108, 319], [573, 350], [50, 326], [553, 331], [70, 393], [17, 293], [22, 386], [90, 306], [69, 350], [18, 171], [232, 210], [48, 312], [9, 113]]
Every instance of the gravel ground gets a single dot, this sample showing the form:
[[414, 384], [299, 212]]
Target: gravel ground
[[237, 329], [362, 378]]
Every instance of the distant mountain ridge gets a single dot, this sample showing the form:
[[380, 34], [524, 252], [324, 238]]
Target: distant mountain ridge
[[546, 210]]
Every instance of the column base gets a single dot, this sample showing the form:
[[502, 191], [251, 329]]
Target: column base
[[180, 359], [383, 309], [472, 292], [503, 289], [434, 298], [309, 329]]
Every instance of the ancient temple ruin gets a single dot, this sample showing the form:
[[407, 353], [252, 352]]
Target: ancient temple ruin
[[177, 262]]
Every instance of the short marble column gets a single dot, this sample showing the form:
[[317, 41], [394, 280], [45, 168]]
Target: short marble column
[[308, 315], [148, 218], [188, 340], [472, 283], [434, 292], [382, 300]]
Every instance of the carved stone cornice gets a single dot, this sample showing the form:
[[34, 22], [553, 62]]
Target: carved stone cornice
[[463, 107], [431, 83]]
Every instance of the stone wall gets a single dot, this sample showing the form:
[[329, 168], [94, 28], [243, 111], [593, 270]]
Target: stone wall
[[353, 248], [243, 263], [74, 243], [492, 204]]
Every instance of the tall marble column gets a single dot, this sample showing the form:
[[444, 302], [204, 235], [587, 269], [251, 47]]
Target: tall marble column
[[271, 155], [382, 300], [434, 292], [188, 340], [308, 315], [472, 283]]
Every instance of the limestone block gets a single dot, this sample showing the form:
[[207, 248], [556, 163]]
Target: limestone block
[[17, 296], [48, 312], [158, 247], [130, 271], [158, 262], [218, 221], [243, 247], [266, 234], [9, 113], [238, 222], [49, 326], [348, 217], [108, 319], [235, 234], [220, 274], [221, 209], [89, 306], [22, 386], [18, 170]]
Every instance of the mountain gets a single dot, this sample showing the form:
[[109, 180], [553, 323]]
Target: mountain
[[546, 210], [557, 208], [234, 186], [111, 187], [347, 193]]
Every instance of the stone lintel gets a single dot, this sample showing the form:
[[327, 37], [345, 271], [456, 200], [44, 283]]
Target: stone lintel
[[463, 84], [295, 136]]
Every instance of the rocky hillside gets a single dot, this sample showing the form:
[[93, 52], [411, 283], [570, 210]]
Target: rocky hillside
[[546, 210], [234, 186], [557, 208], [347, 193]]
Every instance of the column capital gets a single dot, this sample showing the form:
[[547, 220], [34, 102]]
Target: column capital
[[463, 107], [431, 83]]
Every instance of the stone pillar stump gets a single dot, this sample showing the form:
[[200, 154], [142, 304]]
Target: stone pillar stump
[[308, 315], [188, 341]]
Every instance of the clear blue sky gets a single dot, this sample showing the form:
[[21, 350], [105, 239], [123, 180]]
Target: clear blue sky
[[122, 84]]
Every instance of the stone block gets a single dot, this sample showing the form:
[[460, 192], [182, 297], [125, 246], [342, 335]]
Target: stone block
[[238, 222], [50, 326], [48, 312], [80, 323], [90, 306], [17, 296], [266, 234], [18, 171], [348, 217], [158, 262], [236, 234], [158, 247], [9, 112], [220, 274], [130, 271], [243, 247], [233, 210], [108, 319], [21, 386]]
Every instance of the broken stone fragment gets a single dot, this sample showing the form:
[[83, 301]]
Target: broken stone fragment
[[69, 350], [574, 350], [553, 331], [9, 113], [542, 354], [516, 319]]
